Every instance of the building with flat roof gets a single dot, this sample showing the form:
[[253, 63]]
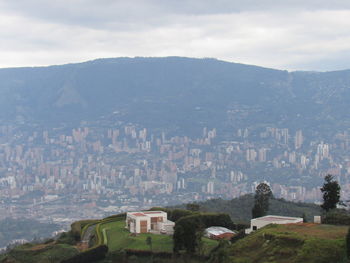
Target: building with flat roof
[[260, 222], [149, 222]]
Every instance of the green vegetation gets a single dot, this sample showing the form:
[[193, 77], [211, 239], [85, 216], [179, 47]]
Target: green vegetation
[[331, 193], [292, 244], [117, 237], [79, 227], [348, 244], [41, 253], [337, 217], [240, 209], [111, 242], [262, 197], [189, 230]]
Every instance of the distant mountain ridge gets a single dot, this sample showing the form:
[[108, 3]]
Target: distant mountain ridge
[[175, 91]]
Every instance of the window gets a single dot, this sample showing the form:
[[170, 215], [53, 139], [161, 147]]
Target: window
[[255, 228]]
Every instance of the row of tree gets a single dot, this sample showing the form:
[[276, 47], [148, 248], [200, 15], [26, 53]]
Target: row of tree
[[263, 194]]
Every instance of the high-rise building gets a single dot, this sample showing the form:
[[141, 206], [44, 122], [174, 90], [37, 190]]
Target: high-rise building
[[262, 155], [210, 187], [298, 142]]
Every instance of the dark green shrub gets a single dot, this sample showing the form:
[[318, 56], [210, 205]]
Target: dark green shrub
[[89, 256], [337, 218]]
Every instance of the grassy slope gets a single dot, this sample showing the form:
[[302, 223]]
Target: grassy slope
[[306, 243], [42, 253]]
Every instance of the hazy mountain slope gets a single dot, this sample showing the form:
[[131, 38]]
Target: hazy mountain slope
[[174, 91]]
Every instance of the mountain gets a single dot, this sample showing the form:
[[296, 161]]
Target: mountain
[[175, 92]]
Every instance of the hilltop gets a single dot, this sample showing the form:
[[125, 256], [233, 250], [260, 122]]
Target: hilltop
[[92, 240]]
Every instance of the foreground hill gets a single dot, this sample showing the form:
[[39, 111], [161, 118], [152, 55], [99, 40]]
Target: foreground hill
[[175, 92], [292, 244], [92, 240]]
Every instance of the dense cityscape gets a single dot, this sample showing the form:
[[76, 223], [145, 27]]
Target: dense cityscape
[[105, 167]]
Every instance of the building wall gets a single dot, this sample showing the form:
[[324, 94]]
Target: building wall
[[259, 223], [151, 221]]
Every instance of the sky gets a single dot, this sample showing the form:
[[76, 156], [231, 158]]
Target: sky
[[282, 34]]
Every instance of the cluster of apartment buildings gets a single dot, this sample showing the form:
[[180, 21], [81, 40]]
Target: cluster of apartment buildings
[[116, 166]]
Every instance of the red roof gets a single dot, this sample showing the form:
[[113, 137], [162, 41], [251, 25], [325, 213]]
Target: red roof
[[153, 212], [138, 214]]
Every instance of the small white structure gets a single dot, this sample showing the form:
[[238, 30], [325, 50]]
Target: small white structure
[[218, 232], [149, 221], [260, 222], [317, 219]]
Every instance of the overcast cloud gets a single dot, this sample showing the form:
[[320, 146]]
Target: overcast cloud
[[286, 34]]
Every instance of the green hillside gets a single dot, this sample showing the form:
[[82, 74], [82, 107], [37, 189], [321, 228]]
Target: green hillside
[[292, 244], [240, 209], [40, 253], [107, 240]]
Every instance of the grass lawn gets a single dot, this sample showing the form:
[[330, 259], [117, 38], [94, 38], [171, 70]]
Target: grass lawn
[[118, 237], [308, 230]]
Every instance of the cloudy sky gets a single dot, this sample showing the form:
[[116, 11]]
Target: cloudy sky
[[284, 34]]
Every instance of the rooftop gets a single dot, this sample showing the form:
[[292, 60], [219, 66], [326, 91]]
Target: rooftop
[[277, 218], [147, 213], [218, 230]]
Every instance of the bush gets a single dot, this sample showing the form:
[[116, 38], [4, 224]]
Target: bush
[[187, 229], [89, 256], [337, 218], [67, 238], [78, 226], [241, 234]]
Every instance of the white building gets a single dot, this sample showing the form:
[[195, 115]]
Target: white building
[[219, 232], [149, 222], [260, 222]]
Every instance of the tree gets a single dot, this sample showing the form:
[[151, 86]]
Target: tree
[[220, 254], [304, 218], [262, 197], [193, 207], [331, 193]]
